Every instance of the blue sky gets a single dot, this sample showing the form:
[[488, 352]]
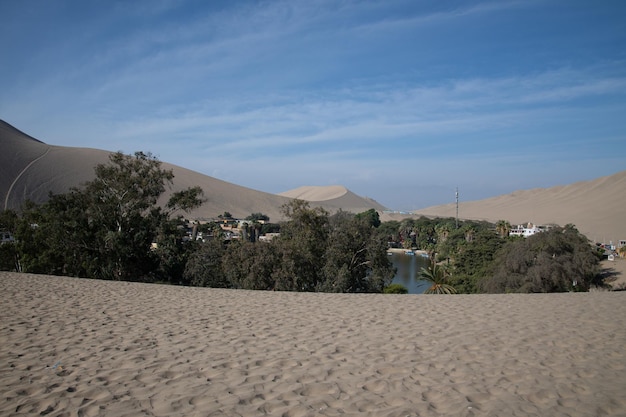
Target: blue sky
[[400, 101]]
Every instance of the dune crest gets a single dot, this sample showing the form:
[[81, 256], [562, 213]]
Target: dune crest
[[316, 192]]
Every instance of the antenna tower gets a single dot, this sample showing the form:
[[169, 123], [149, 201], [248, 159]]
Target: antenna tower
[[457, 207]]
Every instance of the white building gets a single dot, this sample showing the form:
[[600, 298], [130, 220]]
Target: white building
[[527, 230]]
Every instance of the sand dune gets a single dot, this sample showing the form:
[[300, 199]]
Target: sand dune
[[317, 193], [30, 169], [101, 348], [595, 207], [334, 197]]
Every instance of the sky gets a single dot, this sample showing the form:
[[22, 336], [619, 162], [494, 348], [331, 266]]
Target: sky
[[402, 101]]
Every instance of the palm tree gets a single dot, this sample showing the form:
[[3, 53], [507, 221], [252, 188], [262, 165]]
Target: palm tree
[[437, 276], [430, 249], [470, 232], [406, 227], [443, 231], [503, 228]]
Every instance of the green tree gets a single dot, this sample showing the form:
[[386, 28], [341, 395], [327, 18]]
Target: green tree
[[211, 230], [123, 203], [9, 220], [371, 217], [251, 266], [301, 246], [390, 231], [473, 260], [226, 215], [56, 237], [9, 259], [204, 268], [258, 217], [503, 228], [172, 249], [407, 233], [443, 232], [425, 232], [395, 289], [356, 256], [560, 259], [470, 232], [437, 276], [107, 228]]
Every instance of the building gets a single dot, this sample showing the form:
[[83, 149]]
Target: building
[[527, 230]]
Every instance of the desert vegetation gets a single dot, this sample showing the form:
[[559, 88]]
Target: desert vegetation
[[557, 260], [111, 228], [437, 277], [115, 227], [481, 257], [316, 251]]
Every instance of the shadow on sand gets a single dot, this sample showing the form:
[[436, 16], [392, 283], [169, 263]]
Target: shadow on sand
[[611, 278]]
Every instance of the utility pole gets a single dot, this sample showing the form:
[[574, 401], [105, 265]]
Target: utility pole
[[457, 207]]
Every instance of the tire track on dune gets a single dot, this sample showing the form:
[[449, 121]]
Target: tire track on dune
[[6, 199]]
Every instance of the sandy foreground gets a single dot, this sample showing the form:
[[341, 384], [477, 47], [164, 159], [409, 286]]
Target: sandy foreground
[[77, 347]]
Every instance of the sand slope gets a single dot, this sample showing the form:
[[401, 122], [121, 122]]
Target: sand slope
[[595, 207], [317, 193], [30, 169], [99, 348], [334, 197]]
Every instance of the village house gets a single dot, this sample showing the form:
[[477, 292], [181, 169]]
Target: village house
[[527, 230]]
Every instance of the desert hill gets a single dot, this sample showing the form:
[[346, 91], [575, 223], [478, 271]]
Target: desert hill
[[333, 197], [30, 169], [596, 207]]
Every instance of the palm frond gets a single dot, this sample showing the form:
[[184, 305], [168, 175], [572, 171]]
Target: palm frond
[[437, 276]]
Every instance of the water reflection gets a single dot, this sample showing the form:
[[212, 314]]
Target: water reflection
[[408, 268]]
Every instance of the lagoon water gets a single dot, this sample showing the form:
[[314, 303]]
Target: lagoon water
[[408, 268]]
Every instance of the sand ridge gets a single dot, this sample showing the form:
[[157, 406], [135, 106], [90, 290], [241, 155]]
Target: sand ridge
[[31, 169], [93, 348], [594, 207], [316, 192]]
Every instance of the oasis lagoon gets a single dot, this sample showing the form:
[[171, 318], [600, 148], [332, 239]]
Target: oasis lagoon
[[408, 269]]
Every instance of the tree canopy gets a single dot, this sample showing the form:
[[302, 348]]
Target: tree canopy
[[316, 251], [557, 260], [482, 257], [111, 228]]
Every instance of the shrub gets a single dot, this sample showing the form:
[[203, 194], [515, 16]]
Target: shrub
[[558, 260], [395, 289]]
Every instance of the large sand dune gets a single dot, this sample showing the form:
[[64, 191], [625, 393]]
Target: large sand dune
[[596, 207], [31, 169], [334, 196], [79, 347]]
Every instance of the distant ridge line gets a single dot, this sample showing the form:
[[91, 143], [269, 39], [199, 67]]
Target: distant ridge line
[[10, 126]]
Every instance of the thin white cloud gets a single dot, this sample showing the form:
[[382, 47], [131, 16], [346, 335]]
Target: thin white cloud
[[363, 116], [293, 84]]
